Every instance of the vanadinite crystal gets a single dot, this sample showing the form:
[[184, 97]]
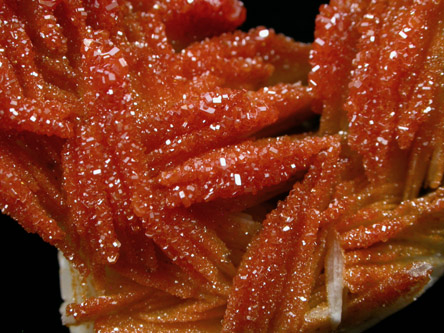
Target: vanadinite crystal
[[178, 165]]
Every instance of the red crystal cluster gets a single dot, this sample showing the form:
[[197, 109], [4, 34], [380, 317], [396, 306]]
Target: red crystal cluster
[[156, 148]]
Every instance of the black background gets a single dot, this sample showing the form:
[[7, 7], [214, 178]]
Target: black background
[[30, 283]]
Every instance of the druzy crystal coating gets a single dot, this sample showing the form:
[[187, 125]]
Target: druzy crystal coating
[[177, 164]]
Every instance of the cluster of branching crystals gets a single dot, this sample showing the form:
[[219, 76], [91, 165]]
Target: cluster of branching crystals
[[149, 141]]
